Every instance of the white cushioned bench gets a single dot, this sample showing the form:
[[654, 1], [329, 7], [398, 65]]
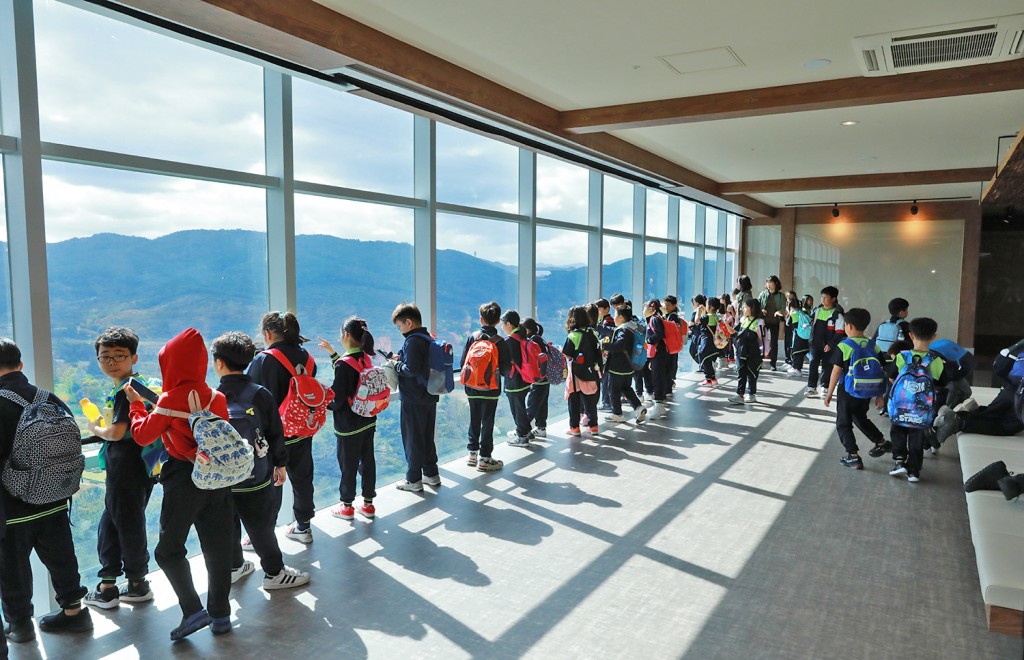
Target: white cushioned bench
[[997, 526]]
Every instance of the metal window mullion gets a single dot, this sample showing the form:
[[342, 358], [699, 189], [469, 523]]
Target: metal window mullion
[[527, 302], [26, 227], [277, 119], [639, 246], [672, 260], [425, 219], [23, 184], [595, 241], [698, 253]]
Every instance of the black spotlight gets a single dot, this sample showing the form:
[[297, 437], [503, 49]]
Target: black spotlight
[[835, 211], [913, 208]]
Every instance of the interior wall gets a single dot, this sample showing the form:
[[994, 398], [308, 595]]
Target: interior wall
[[873, 262]]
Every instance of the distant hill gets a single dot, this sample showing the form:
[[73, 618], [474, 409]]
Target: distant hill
[[213, 280]]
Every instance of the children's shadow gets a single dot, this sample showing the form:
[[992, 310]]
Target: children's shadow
[[590, 459], [694, 438], [566, 493], [417, 553], [505, 524]]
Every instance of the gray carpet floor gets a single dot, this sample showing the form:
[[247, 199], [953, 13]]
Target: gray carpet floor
[[719, 532]]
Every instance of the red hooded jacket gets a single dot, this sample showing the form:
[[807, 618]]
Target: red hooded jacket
[[183, 368]]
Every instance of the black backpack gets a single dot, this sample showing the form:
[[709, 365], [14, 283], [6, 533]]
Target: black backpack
[[245, 418], [46, 461]]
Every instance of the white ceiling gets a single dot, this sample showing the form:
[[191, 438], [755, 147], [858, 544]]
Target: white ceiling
[[573, 54]]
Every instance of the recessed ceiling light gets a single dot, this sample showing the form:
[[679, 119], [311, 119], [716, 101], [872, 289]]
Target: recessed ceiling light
[[849, 123], [816, 64]]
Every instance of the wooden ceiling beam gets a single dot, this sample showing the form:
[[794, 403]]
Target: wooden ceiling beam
[[312, 35], [823, 95], [887, 180]]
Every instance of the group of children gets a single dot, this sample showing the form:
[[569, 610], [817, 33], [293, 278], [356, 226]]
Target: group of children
[[603, 352]]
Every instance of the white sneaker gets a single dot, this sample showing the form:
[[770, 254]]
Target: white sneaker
[[736, 400], [411, 486], [941, 416], [488, 464], [751, 398], [516, 441], [432, 481], [970, 405], [618, 419], [649, 397], [247, 544], [641, 415], [540, 433], [296, 534], [812, 393], [243, 570], [793, 372], [659, 411], [288, 578], [471, 460]]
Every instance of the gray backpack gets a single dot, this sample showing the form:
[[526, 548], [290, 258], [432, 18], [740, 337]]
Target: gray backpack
[[46, 461]]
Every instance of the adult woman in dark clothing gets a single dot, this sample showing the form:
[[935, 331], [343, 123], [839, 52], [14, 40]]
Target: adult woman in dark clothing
[[773, 304]]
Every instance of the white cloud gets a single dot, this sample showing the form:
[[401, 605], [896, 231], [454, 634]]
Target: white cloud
[[491, 240], [559, 247], [79, 203], [350, 219], [562, 190]]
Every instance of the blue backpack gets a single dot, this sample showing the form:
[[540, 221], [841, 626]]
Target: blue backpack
[[244, 417], [638, 355], [888, 334], [912, 400], [441, 358], [803, 325], [865, 378]]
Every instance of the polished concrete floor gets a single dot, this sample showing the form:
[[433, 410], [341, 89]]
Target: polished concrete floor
[[719, 532]]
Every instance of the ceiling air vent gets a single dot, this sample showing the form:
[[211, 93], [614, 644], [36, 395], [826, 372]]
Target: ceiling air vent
[[942, 47]]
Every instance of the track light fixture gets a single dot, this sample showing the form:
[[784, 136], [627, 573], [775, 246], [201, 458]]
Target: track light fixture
[[913, 208], [835, 210]]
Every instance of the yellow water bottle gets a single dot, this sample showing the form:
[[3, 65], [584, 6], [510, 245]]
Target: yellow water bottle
[[91, 412]]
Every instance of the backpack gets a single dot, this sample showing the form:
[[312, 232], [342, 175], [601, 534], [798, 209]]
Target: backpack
[[244, 417], [223, 457], [959, 361], [803, 325], [373, 394], [530, 367], [722, 335], [441, 362], [888, 334], [673, 336], [153, 455], [912, 399], [480, 368], [586, 365], [638, 354], [865, 377], [748, 348], [304, 409], [556, 364], [46, 461]]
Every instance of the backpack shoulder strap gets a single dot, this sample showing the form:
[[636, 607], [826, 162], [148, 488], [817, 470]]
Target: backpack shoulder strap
[[14, 398], [359, 365], [285, 362], [310, 364], [41, 395]]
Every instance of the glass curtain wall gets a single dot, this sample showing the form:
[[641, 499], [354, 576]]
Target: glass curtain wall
[[158, 202], [6, 324]]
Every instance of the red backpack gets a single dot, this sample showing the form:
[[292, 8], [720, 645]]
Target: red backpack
[[480, 368], [673, 336], [304, 409], [530, 369]]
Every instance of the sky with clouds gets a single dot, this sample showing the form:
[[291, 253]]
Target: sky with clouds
[[163, 98]]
